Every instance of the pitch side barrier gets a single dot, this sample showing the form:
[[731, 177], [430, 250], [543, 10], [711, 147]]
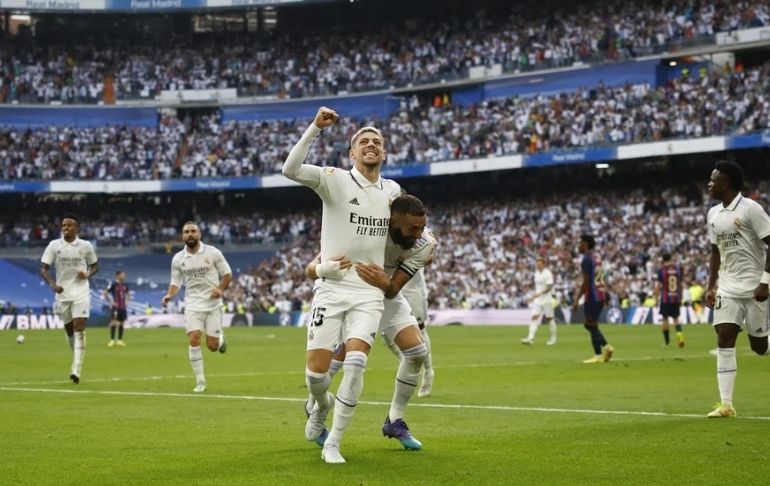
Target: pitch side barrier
[[468, 166]]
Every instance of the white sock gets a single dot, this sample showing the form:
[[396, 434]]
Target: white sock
[[532, 330], [221, 340], [727, 367], [406, 380], [334, 368], [71, 341], [318, 385], [79, 348], [768, 346], [348, 394], [427, 364], [552, 328], [196, 361]]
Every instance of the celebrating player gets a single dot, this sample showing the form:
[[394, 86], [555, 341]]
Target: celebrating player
[[199, 267], [75, 262], [739, 231], [356, 214]]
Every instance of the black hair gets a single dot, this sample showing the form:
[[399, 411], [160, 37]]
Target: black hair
[[72, 217], [732, 171], [408, 204], [590, 241], [667, 257]]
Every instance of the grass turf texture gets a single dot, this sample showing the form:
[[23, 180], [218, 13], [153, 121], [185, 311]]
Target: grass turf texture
[[248, 427]]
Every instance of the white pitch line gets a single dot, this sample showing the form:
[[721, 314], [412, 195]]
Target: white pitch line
[[505, 408], [301, 372]]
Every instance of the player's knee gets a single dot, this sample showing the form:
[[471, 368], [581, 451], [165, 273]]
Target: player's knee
[[212, 346], [416, 354], [589, 326]]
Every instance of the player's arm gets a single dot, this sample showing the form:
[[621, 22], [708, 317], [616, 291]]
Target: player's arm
[[581, 290], [375, 276], [107, 296], [170, 294], [762, 292], [44, 267], [334, 268], [293, 167], [92, 269], [175, 284], [223, 268], [714, 263]]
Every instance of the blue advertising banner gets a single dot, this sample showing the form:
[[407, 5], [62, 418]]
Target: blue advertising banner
[[571, 157], [230, 184], [748, 141], [24, 186], [42, 117]]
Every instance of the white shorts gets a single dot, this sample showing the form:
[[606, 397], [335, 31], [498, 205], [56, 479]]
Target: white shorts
[[71, 310], [336, 317], [543, 308], [419, 306], [751, 315], [208, 322], [396, 317]]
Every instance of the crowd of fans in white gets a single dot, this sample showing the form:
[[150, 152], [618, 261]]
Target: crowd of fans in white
[[537, 34], [699, 105], [486, 254]]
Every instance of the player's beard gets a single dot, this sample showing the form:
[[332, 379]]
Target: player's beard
[[191, 243], [404, 242]]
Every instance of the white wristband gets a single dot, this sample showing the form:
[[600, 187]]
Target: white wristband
[[765, 278], [329, 269]]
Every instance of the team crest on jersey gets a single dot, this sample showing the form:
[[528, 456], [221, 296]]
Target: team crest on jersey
[[738, 223], [329, 170]]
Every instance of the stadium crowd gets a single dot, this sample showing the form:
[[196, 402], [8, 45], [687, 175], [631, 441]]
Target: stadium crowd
[[310, 62], [487, 250], [712, 103]]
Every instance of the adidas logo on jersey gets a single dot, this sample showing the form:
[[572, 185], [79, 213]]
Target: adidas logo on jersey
[[354, 201]]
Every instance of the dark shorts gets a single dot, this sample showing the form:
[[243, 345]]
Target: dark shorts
[[592, 310], [119, 314], [669, 310]]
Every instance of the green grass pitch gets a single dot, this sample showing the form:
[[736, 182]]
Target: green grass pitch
[[500, 413]]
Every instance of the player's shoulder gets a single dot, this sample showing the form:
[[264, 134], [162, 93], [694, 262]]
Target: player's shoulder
[[714, 209], [178, 256], [86, 243], [213, 250], [749, 204], [392, 187]]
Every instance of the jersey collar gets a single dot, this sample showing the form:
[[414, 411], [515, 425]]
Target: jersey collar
[[733, 203], [362, 181], [74, 242]]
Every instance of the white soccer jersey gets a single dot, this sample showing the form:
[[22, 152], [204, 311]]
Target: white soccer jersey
[[356, 213], [416, 288], [738, 230], [543, 280], [70, 258], [200, 273], [409, 261]]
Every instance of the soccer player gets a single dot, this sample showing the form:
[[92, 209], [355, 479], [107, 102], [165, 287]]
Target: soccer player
[[592, 288], [739, 274], [669, 287], [408, 250], [75, 262], [199, 267], [415, 291], [117, 296], [356, 214], [542, 303]]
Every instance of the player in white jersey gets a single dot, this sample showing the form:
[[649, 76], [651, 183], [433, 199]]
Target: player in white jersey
[[739, 274], [75, 262], [407, 251], [199, 267], [416, 293], [542, 303], [356, 214]]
